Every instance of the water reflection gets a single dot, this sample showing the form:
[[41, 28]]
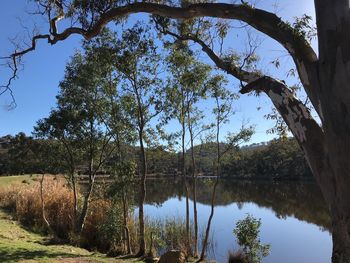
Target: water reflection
[[302, 200], [295, 218]]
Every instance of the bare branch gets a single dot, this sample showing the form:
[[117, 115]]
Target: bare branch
[[266, 22], [263, 21]]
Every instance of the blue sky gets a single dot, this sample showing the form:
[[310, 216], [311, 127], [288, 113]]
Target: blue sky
[[37, 85]]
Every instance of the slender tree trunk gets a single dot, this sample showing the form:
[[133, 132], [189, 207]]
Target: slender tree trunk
[[150, 251], [125, 222], [195, 217], [188, 230], [87, 196], [43, 213], [86, 204], [217, 173], [183, 171], [194, 189], [142, 243], [75, 199]]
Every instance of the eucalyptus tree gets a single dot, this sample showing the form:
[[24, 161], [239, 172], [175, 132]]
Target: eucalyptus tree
[[60, 127], [323, 75], [78, 123], [187, 86], [102, 52], [223, 110], [194, 119], [139, 64]]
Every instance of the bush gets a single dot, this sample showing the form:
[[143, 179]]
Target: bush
[[167, 234], [98, 225], [247, 233]]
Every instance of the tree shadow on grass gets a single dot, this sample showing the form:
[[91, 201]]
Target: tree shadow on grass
[[18, 254]]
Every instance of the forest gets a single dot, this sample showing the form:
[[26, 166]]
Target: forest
[[19, 154]]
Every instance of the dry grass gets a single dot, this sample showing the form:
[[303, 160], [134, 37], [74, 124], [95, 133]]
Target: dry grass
[[24, 200], [58, 206], [97, 216]]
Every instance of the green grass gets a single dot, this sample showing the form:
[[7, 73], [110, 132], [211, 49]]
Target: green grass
[[16, 179]]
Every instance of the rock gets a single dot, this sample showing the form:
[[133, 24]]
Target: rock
[[173, 256]]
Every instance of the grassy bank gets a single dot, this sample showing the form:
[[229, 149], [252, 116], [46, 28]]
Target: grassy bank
[[19, 245]]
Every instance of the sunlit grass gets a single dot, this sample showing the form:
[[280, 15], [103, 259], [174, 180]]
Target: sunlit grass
[[15, 179]]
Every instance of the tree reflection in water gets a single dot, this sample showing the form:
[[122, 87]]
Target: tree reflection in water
[[302, 200]]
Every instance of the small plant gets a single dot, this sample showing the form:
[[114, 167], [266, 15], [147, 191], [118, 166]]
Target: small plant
[[247, 233], [166, 234], [110, 230]]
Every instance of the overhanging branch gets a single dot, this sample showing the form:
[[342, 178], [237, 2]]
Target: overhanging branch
[[266, 22], [305, 129], [228, 66]]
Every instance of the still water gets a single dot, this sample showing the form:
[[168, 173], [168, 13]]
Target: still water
[[294, 218]]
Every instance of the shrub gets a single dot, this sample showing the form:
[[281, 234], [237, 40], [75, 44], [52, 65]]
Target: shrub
[[94, 235], [167, 234], [247, 233]]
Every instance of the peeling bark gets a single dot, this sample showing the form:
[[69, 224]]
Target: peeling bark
[[326, 156], [333, 26]]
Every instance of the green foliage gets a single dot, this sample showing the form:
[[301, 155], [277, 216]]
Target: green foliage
[[22, 154], [110, 231], [247, 233], [303, 27], [123, 174], [280, 159]]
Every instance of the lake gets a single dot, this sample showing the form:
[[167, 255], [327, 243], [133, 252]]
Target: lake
[[295, 219]]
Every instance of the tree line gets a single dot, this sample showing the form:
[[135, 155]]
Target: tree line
[[278, 159]]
